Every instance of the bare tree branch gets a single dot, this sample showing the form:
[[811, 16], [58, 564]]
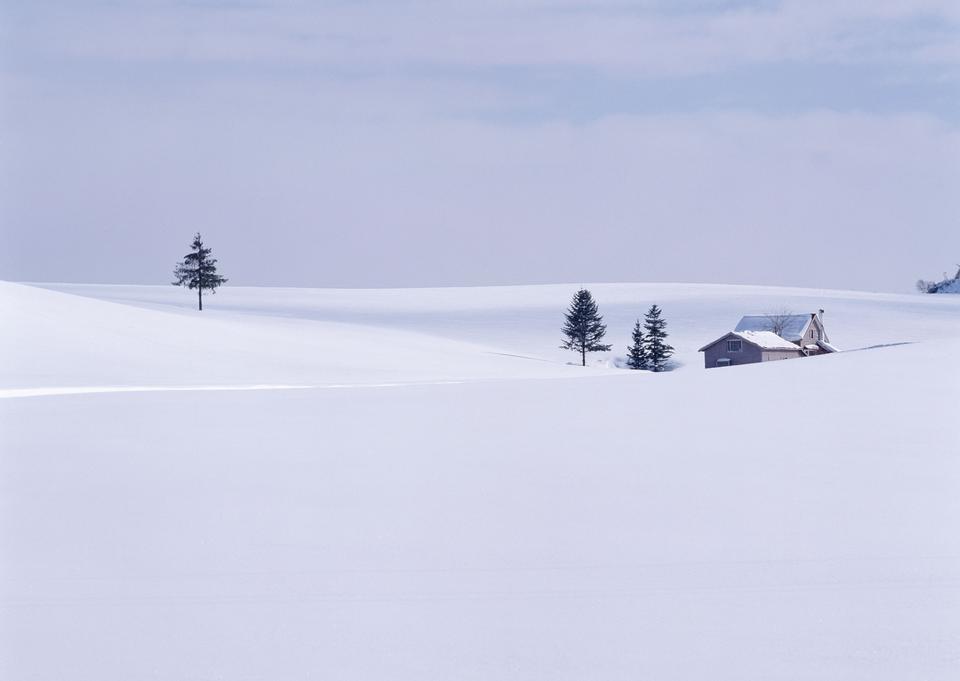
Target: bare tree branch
[[777, 321]]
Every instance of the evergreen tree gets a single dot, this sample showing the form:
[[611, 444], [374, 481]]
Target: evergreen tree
[[584, 327], [658, 352], [198, 270], [637, 353]]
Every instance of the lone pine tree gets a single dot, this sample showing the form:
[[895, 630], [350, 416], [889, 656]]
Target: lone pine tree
[[658, 352], [198, 270], [584, 327], [637, 353]]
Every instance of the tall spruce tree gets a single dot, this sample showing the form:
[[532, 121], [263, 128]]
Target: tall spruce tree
[[658, 352], [198, 270], [637, 353], [584, 327]]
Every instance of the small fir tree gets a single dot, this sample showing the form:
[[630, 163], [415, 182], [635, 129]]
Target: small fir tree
[[198, 271], [584, 327], [637, 353], [658, 352]]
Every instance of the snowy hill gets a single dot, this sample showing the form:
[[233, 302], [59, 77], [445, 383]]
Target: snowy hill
[[473, 507], [326, 336]]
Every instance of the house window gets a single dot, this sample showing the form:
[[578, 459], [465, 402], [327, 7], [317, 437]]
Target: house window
[[734, 346]]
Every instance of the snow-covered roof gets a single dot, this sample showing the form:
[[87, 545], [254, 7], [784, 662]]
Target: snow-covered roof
[[767, 340], [829, 347], [794, 326]]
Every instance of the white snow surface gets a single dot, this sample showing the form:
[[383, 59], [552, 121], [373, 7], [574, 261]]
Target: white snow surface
[[415, 484]]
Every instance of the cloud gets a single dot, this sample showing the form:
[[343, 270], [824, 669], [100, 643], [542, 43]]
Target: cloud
[[415, 142], [649, 39]]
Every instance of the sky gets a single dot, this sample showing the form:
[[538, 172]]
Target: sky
[[391, 143]]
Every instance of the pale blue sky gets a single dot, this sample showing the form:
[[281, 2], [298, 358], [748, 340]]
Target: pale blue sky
[[436, 143]]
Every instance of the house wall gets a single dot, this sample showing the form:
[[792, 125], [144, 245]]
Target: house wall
[[815, 332], [774, 355], [749, 355]]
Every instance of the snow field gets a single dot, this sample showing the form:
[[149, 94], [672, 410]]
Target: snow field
[[794, 520]]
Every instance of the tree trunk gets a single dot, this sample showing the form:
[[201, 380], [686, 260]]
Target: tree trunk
[[200, 298], [583, 355]]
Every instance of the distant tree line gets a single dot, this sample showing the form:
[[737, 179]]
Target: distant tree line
[[584, 331], [944, 285]]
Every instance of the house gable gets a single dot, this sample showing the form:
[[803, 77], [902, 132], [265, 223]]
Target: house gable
[[763, 340], [731, 349]]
